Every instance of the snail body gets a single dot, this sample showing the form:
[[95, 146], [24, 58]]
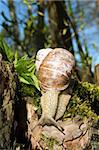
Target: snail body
[[54, 68]]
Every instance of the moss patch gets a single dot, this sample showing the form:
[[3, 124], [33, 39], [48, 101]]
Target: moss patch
[[84, 101]]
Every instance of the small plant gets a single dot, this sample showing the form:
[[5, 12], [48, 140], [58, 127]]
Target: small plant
[[24, 66], [26, 69]]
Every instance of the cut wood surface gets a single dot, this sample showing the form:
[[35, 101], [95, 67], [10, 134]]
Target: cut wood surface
[[76, 133]]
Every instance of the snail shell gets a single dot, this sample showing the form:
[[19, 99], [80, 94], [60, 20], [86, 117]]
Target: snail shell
[[54, 68]]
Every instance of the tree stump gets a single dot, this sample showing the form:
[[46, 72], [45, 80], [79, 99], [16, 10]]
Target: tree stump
[[77, 126], [77, 134]]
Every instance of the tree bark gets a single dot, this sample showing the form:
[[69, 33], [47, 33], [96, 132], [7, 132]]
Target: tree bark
[[7, 96], [97, 74]]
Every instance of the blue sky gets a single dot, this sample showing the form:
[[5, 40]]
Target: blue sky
[[91, 31]]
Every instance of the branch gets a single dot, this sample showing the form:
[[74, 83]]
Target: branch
[[14, 18]]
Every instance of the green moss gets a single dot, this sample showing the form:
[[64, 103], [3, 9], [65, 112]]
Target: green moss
[[50, 142], [87, 91], [84, 102], [33, 93]]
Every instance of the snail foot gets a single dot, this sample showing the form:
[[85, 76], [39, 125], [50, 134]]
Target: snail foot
[[48, 121]]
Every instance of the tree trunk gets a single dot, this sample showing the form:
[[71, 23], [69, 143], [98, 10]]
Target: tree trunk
[[97, 74], [7, 96], [59, 25]]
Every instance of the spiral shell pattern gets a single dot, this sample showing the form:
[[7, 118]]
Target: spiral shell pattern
[[54, 68]]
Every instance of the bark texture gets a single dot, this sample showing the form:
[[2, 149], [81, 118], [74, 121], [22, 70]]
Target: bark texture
[[7, 95], [97, 74]]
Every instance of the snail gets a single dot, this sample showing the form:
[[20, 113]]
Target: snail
[[54, 69]]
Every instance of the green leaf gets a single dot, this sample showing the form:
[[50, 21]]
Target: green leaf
[[23, 80], [6, 51], [16, 58], [26, 70], [28, 2], [64, 31], [36, 83], [21, 65]]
